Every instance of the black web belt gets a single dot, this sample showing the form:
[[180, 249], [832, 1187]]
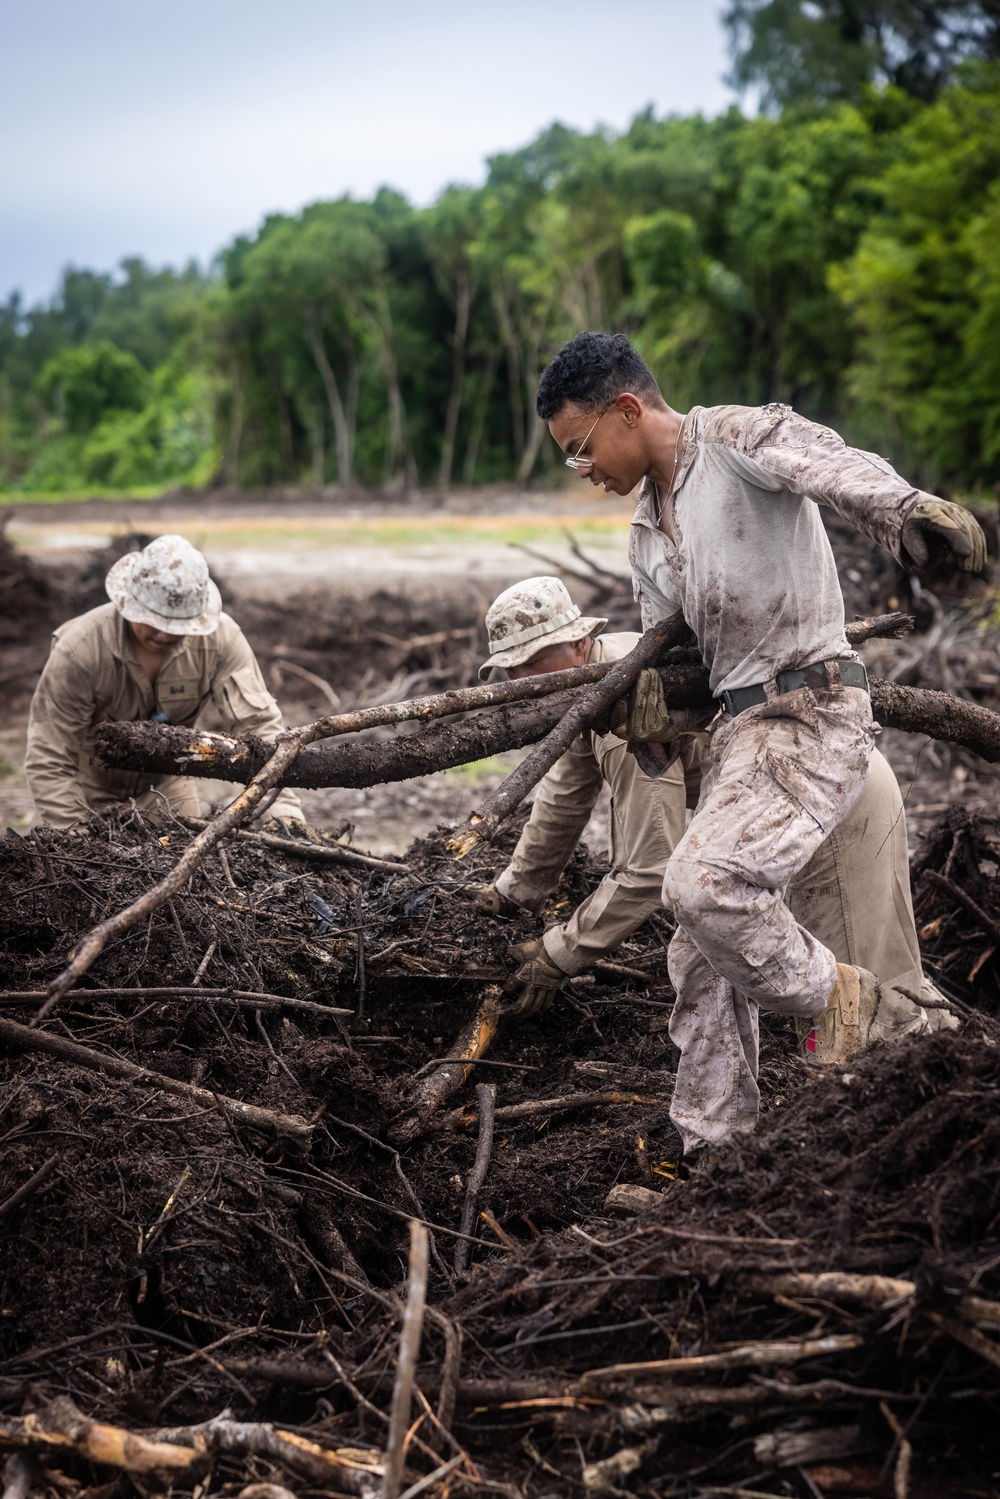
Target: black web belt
[[816, 676]]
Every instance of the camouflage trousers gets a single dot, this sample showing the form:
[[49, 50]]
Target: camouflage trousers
[[777, 779]]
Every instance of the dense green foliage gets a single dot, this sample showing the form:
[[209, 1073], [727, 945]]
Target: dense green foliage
[[801, 51], [844, 257]]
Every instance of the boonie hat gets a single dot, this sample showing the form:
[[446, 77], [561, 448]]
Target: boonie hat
[[166, 585], [530, 616]]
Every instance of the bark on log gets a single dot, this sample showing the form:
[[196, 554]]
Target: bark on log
[[166, 749]]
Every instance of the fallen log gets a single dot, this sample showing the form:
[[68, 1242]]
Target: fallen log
[[164, 749]]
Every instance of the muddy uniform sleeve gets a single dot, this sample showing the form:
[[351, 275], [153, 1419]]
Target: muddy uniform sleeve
[[812, 460], [241, 696], [62, 715], [563, 803], [647, 823], [649, 588]]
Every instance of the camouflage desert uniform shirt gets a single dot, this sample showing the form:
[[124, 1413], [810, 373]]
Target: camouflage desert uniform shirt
[[93, 675], [749, 564]]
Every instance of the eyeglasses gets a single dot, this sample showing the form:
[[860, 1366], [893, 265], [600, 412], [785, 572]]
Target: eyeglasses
[[584, 465]]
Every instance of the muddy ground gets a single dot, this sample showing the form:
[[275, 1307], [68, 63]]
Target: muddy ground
[[166, 1261]]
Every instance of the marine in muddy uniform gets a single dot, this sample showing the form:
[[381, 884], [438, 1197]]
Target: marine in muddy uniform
[[854, 893], [160, 650], [726, 535]]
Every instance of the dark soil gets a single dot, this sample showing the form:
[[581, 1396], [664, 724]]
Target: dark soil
[[172, 1264], [163, 1230]]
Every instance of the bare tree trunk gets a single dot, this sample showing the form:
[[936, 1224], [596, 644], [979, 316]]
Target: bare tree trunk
[[398, 458], [512, 349], [342, 435], [234, 438], [479, 421], [463, 306], [353, 393], [317, 434], [285, 441], [538, 431]]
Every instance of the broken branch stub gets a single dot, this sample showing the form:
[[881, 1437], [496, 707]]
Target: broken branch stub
[[472, 1042]]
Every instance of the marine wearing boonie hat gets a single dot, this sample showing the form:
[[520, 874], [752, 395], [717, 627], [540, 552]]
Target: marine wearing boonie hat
[[528, 617], [166, 585]]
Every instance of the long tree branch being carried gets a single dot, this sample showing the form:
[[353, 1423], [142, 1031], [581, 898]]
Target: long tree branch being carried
[[520, 713]]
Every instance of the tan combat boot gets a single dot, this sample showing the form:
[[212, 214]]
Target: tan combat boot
[[844, 1026]]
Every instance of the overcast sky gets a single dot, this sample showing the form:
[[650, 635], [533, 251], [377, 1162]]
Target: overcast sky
[[163, 129]]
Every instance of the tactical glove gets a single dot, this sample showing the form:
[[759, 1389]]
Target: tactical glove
[[539, 976], [952, 524], [487, 898], [643, 716]]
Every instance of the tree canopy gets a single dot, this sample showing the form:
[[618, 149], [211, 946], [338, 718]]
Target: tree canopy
[[842, 257], [804, 51]]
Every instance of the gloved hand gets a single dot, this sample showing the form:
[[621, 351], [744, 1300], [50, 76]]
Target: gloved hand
[[540, 977], [487, 898], [950, 523], [643, 716]]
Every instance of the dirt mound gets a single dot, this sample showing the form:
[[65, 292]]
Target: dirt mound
[[166, 1261]]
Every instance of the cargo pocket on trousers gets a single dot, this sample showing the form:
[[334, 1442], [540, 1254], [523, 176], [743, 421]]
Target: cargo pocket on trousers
[[796, 782]]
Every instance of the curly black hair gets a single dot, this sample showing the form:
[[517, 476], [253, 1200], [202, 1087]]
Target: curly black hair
[[592, 369]]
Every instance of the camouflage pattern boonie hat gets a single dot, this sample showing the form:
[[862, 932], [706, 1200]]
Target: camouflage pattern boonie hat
[[528, 617], [166, 585]]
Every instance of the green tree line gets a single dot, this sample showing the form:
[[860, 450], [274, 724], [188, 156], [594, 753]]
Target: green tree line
[[840, 252]]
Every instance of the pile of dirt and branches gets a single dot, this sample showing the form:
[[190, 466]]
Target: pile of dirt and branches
[[208, 1163]]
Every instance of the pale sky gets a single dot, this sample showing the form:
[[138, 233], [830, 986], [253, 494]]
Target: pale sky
[[163, 130]]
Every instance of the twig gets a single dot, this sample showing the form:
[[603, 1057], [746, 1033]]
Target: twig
[[942, 882], [243, 999], [288, 1125], [451, 1367], [345, 1473], [361, 955], [624, 971], [970, 1337], [491, 1223], [31, 1186], [308, 848], [61, 1425], [406, 1364], [836, 1285], [199, 973], [752, 1356], [486, 1096], [542, 1107], [438, 1473]]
